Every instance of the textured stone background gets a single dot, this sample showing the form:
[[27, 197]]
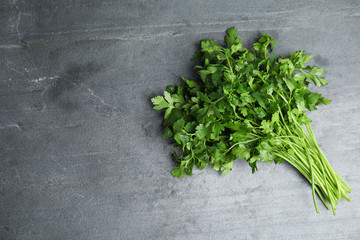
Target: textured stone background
[[81, 153]]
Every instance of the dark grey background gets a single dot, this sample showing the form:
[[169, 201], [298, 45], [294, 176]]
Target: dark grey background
[[81, 153]]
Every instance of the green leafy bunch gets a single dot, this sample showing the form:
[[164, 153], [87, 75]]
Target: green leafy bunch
[[249, 105]]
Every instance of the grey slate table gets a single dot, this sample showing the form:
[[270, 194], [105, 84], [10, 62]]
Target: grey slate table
[[81, 153]]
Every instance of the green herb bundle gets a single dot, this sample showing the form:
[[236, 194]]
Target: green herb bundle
[[249, 105]]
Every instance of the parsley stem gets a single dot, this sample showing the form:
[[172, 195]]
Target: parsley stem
[[302, 170], [227, 58], [309, 128], [307, 155], [238, 143], [219, 99], [311, 163]]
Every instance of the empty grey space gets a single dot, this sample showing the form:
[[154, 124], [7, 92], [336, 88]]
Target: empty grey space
[[81, 152]]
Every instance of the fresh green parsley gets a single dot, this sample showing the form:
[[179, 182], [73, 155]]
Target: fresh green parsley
[[249, 104]]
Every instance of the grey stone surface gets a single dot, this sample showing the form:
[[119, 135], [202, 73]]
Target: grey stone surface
[[81, 153]]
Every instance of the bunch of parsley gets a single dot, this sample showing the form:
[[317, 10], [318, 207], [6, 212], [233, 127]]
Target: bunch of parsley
[[249, 105]]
